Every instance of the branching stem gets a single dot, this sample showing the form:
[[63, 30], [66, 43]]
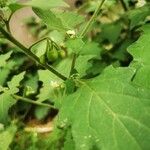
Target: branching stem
[[30, 54]]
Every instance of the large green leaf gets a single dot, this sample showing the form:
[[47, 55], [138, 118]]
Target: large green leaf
[[108, 113]]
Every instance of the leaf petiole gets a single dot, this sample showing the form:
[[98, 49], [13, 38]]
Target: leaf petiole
[[27, 100]]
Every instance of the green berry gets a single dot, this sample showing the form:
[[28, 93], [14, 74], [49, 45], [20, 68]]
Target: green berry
[[52, 55], [62, 53]]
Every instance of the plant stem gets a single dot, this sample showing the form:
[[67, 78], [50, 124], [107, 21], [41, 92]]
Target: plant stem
[[27, 100], [91, 21], [41, 40], [123, 5], [85, 30], [30, 54], [73, 63]]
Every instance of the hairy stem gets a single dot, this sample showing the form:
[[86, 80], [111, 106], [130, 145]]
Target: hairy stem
[[85, 30], [27, 100], [30, 54]]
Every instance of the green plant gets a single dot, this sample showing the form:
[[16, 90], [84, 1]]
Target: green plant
[[88, 75]]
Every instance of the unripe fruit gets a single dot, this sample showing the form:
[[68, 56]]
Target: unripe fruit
[[52, 55], [62, 53]]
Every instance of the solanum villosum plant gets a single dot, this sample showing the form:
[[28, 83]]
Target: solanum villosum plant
[[85, 82]]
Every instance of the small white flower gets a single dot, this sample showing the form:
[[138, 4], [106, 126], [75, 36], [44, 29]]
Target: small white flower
[[54, 84], [72, 33]]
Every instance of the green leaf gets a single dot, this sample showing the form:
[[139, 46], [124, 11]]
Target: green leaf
[[82, 64], [137, 16], [31, 84], [6, 137], [75, 45], [91, 48], [14, 83], [70, 19], [69, 143], [50, 82], [50, 19], [4, 58], [4, 72], [111, 32], [142, 77], [6, 100], [11, 65], [140, 49], [15, 6], [47, 4], [41, 112], [108, 112], [64, 66]]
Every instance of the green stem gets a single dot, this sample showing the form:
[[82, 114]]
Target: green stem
[[27, 100], [85, 30], [91, 21], [73, 63], [37, 43], [46, 38], [30, 54]]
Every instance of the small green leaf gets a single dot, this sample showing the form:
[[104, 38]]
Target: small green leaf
[[50, 19], [50, 82], [4, 58], [41, 112], [91, 48], [6, 137], [75, 45], [70, 19], [14, 83], [6, 99], [82, 64], [138, 15], [111, 32]]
